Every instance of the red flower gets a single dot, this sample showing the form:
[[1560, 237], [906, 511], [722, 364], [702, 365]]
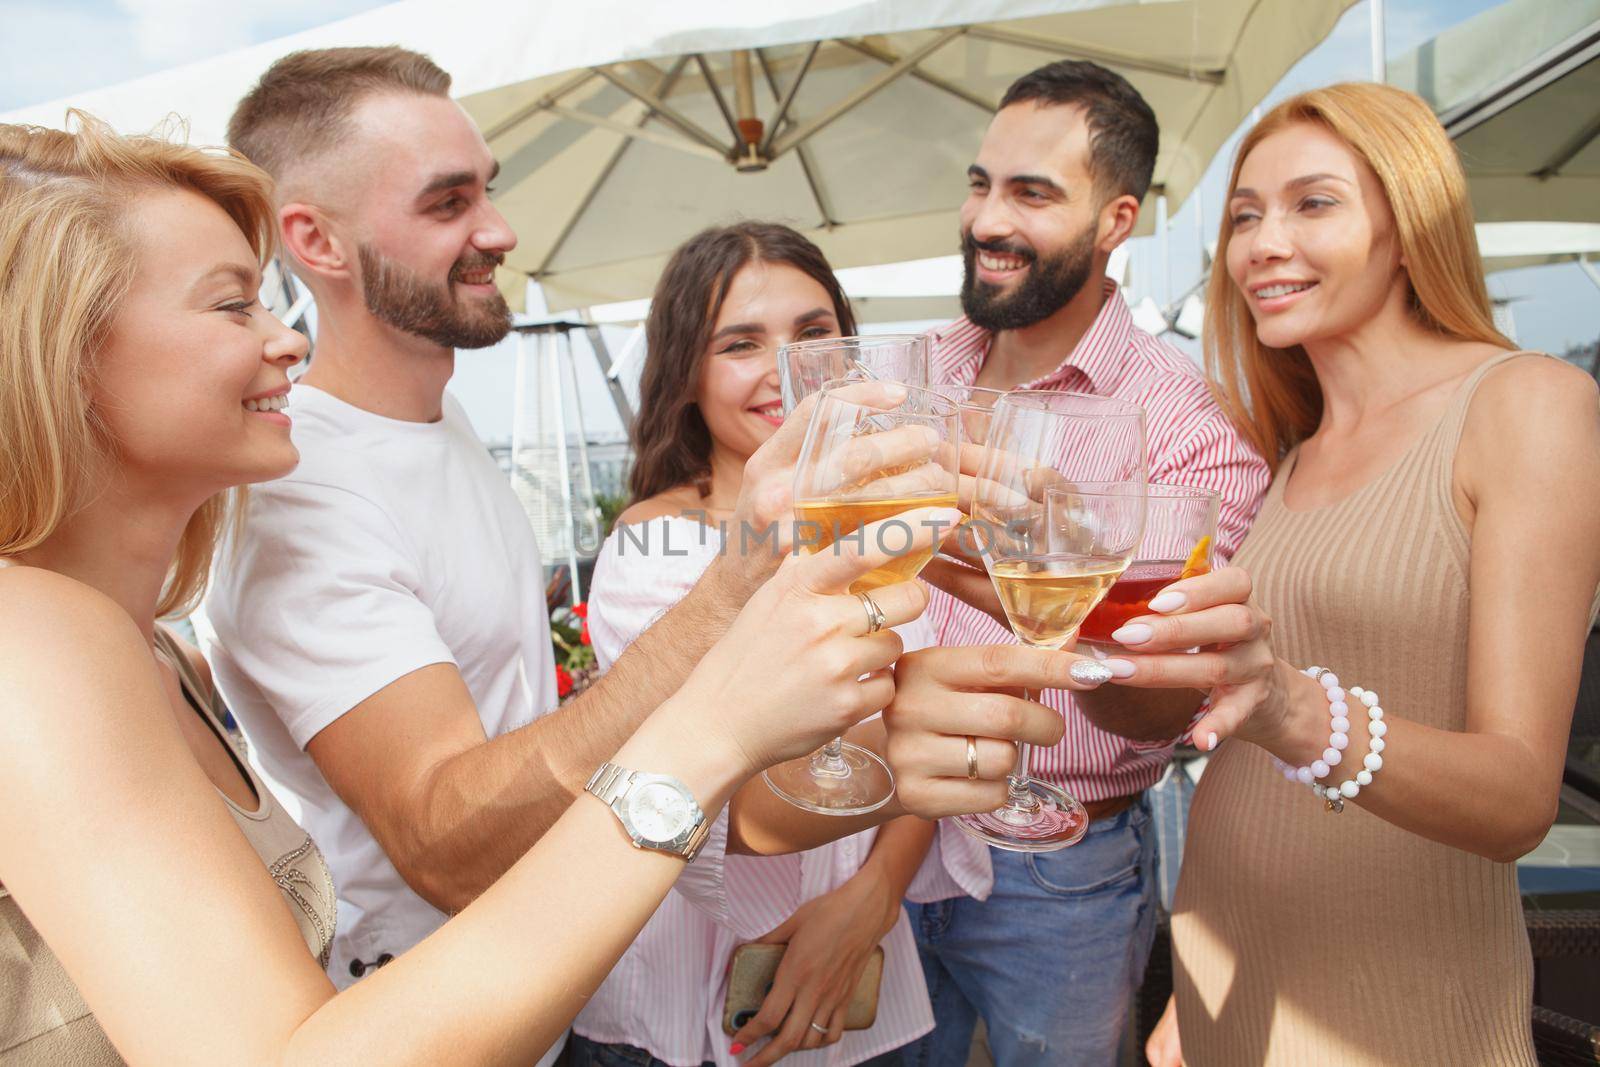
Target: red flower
[[584, 635], [581, 610], [563, 681]]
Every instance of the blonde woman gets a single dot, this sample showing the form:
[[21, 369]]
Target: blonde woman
[[160, 908], [1432, 537]]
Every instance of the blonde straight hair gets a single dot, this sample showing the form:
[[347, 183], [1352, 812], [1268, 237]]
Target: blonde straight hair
[[1272, 393], [65, 262]]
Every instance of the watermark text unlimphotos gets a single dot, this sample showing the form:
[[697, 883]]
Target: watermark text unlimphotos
[[892, 537]]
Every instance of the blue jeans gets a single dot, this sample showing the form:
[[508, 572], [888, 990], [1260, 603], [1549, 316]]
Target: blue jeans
[[586, 1053], [581, 1052], [1051, 959]]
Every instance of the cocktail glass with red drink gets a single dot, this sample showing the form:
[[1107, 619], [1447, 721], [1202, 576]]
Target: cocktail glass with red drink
[[1180, 530]]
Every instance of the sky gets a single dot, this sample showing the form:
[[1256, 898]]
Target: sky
[[53, 48]]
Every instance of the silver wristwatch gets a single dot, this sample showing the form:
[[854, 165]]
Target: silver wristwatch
[[657, 811]]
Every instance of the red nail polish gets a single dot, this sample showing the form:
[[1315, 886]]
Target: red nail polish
[[736, 1048]]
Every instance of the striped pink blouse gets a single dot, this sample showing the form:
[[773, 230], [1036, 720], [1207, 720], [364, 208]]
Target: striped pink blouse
[[1190, 442], [666, 994]]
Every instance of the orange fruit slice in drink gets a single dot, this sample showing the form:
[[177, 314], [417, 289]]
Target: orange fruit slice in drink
[[1196, 563]]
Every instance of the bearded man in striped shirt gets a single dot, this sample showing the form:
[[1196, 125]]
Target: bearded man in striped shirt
[[1050, 959]]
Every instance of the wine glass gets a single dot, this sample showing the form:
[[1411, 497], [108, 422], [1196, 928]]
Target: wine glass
[[1180, 536], [1058, 510], [862, 464], [975, 405], [804, 366]]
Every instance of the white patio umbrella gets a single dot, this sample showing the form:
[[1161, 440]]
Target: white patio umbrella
[[623, 126], [1510, 245], [1518, 89]]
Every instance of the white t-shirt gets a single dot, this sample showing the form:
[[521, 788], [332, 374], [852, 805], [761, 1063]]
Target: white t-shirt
[[394, 545]]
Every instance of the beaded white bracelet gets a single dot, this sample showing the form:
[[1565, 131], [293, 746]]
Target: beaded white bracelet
[[1339, 740]]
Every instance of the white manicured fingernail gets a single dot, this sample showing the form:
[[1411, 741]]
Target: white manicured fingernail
[[1088, 672], [1211, 741], [1171, 600], [1135, 633], [1120, 668]]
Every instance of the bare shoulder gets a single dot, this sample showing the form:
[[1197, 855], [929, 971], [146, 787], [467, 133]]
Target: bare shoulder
[[1531, 418], [64, 640], [1540, 380], [1537, 398], [42, 611], [672, 503]]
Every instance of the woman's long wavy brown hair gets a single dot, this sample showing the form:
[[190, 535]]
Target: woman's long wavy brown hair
[[671, 444], [1272, 394]]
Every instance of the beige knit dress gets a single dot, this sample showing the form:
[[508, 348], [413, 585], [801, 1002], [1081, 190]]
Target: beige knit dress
[[1302, 937]]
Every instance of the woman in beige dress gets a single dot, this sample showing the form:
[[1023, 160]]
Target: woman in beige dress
[[1432, 536], [159, 907]]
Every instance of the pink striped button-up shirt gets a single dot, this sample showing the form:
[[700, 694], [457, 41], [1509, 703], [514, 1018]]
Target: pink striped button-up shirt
[[1190, 442], [666, 994]]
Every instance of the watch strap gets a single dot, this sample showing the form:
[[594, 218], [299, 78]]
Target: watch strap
[[697, 839], [609, 782]]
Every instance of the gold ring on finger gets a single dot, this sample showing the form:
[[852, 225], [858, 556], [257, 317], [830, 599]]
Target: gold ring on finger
[[875, 616], [972, 758]]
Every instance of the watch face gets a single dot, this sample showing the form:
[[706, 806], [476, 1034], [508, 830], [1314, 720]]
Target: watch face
[[658, 812]]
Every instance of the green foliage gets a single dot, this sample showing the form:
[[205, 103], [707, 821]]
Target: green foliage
[[566, 639], [610, 507]]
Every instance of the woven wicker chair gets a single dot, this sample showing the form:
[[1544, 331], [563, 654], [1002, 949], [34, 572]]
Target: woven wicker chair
[[1562, 1041]]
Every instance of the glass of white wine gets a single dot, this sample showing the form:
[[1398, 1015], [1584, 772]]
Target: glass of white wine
[[859, 465], [975, 405], [1058, 512], [804, 366]]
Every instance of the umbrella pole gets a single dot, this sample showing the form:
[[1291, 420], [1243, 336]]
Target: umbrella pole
[[750, 128], [1380, 66], [1589, 269], [553, 351], [1164, 243]]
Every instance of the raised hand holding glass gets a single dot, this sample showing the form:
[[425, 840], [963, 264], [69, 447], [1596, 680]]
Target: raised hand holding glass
[[1058, 510], [860, 465]]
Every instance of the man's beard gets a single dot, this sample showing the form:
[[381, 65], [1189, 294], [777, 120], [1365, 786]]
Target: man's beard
[[1049, 284], [395, 294]]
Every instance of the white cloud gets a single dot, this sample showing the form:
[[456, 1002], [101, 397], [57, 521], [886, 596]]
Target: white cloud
[[54, 48], [51, 49], [170, 32]]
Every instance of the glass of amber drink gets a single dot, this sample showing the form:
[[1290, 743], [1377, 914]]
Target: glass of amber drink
[[861, 465], [1057, 513], [975, 408], [805, 366], [1180, 533]]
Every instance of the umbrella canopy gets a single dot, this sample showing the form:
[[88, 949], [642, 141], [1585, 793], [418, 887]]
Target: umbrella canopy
[[859, 139], [623, 126], [1510, 245], [1518, 89]]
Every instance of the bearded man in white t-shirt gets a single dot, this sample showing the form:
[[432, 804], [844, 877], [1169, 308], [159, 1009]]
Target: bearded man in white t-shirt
[[380, 626]]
